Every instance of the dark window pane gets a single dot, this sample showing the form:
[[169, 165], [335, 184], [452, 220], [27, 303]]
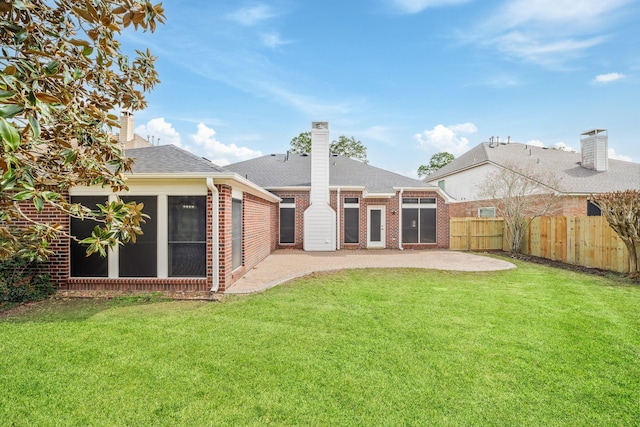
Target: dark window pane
[[187, 218], [236, 233], [427, 226], [187, 259], [593, 209], [288, 200], [351, 225], [428, 200], [410, 200], [82, 265], [374, 226], [141, 259], [287, 225], [409, 225], [187, 236], [350, 200]]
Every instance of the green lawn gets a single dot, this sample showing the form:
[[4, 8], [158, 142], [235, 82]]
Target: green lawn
[[530, 346]]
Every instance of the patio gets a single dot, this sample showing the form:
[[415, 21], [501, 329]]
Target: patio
[[284, 265]]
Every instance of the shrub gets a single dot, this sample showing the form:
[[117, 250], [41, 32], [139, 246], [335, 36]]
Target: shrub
[[21, 282]]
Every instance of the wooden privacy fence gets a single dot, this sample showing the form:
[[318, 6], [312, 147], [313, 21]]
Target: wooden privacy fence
[[585, 241]]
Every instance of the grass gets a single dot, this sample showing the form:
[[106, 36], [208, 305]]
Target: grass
[[530, 346]]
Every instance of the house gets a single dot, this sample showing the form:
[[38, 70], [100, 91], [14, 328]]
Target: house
[[331, 202], [209, 225], [578, 174]]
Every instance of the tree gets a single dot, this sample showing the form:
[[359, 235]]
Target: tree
[[62, 74], [437, 161], [343, 146], [521, 195], [622, 211]]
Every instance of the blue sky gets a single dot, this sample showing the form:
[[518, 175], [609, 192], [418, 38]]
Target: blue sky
[[408, 78]]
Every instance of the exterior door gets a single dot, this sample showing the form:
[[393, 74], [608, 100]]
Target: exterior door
[[375, 227]]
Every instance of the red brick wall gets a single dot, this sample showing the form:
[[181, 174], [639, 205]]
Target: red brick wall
[[392, 210], [302, 203], [569, 206], [224, 237], [58, 264], [442, 219], [259, 239]]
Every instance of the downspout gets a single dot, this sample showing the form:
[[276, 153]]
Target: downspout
[[214, 227], [338, 220], [400, 219]]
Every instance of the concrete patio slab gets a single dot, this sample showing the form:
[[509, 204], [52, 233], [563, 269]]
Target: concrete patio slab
[[284, 265]]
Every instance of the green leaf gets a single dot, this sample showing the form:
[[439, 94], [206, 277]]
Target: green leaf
[[20, 36], [88, 50], [35, 126], [9, 134], [4, 94], [52, 67], [10, 110], [38, 203], [23, 195]]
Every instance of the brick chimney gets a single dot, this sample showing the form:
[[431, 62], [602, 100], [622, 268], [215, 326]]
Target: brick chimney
[[594, 149], [126, 127], [319, 218]]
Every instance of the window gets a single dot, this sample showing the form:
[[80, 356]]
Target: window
[[593, 209], [82, 265], [487, 212], [288, 220], [141, 259], [351, 220], [187, 236], [236, 233], [419, 220]]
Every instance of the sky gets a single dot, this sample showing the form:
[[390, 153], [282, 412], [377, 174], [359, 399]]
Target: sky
[[408, 78]]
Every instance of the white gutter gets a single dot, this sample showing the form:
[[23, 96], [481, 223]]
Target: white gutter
[[400, 220], [214, 243], [241, 182]]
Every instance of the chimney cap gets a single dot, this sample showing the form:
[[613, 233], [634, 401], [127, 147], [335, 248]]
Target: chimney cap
[[593, 131], [320, 125]]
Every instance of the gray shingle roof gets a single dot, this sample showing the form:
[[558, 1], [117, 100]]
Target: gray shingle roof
[[169, 159], [272, 172], [565, 165]]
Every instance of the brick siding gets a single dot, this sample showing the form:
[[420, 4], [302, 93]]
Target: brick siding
[[392, 210], [569, 206]]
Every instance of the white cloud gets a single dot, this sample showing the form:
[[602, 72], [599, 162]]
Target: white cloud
[[608, 78], [615, 156], [542, 50], [272, 40], [571, 11], [547, 32], [216, 151], [250, 16], [159, 131], [416, 6], [563, 147], [448, 139]]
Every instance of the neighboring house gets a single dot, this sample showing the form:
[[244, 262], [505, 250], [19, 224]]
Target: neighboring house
[[332, 202], [127, 138], [579, 174]]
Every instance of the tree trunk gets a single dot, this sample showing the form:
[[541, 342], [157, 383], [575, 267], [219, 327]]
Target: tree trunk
[[633, 255]]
